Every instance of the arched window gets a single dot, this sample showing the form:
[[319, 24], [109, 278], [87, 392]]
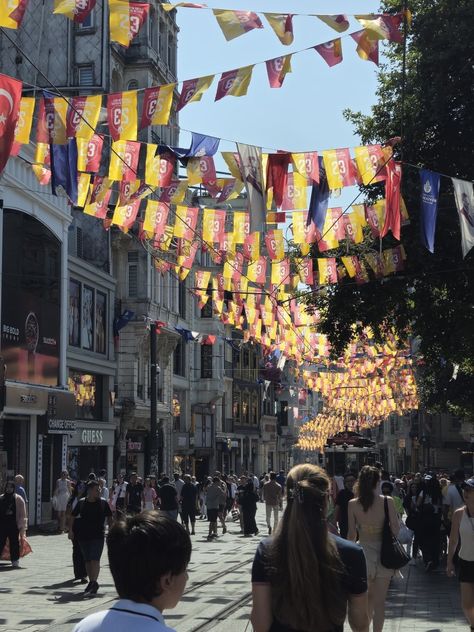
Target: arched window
[[132, 85]]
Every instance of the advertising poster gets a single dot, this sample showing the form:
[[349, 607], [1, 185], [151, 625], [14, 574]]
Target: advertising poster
[[87, 318], [30, 315], [100, 322], [74, 313]]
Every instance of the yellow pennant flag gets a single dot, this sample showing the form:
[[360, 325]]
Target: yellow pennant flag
[[119, 21], [193, 89], [122, 115], [369, 160], [339, 23], [41, 153], [241, 226], [236, 23], [282, 25], [83, 189], [232, 161], [87, 116], [299, 222], [180, 193], [152, 165], [25, 120], [349, 265], [11, 13]]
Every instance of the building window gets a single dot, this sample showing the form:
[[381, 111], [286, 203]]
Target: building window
[[206, 361], [236, 405], [132, 274], [171, 53], [254, 409], [100, 321], [87, 389], [182, 292], [132, 85], [163, 42], [179, 359], [74, 321], [87, 331], [87, 22], [85, 75]]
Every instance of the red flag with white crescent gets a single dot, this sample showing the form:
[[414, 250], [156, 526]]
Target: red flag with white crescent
[[10, 97]]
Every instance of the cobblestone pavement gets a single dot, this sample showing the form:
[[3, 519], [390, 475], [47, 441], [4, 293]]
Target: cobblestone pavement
[[41, 596]]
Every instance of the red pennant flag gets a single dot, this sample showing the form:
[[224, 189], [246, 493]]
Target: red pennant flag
[[94, 153], [82, 10], [308, 165], [392, 199], [331, 51], [277, 175], [367, 46], [17, 13], [138, 15], [10, 97], [277, 69], [153, 104]]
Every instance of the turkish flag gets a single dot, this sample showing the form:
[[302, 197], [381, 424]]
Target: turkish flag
[[10, 97]]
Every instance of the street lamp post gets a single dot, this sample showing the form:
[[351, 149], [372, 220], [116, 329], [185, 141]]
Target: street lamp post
[[152, 445]]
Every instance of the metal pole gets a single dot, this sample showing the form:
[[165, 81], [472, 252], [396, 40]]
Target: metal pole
[[152, 451]]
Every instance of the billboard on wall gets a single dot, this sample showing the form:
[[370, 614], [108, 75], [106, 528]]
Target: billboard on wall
[[31, 290]]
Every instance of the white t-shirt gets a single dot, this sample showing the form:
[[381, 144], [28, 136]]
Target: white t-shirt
[[453, 498], [123, 616]]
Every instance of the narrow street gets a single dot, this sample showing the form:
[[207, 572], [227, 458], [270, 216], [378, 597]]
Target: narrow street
[[216, 597]]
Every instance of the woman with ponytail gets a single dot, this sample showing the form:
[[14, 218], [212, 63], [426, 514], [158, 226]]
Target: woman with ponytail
[[366, 518], [303, 578]]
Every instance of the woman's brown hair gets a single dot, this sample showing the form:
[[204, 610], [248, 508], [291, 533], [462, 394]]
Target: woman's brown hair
[[368, 480], [305, 567]]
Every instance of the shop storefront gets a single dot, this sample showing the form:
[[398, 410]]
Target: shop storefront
[[135, 447], [90, 449]]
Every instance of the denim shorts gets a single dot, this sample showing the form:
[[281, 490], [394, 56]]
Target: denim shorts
[[91, 549]]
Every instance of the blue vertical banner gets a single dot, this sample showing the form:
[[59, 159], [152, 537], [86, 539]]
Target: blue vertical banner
[[429, 206]]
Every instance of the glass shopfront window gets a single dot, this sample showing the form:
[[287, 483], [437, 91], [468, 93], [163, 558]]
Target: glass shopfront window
[[87, 389]]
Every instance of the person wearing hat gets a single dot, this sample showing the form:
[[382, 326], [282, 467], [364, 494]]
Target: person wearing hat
[[462, 529]]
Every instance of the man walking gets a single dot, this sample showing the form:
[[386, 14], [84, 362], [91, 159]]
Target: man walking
[[134, 495], [272, 496], [87, 525], [215, 498], [168, 496], [342, 503]]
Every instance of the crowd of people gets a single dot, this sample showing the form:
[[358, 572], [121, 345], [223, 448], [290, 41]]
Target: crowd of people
[[321, 561]]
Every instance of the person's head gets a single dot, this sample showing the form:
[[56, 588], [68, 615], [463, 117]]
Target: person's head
[[349, 481], [387, 488], [418, 477], [148, 482], [165, 480], [193, 479], [215, 480], [93, 490], [306, 588], [101, 482], [378, 465], [176, 476], [273, 476], [19, 480], [468, 491], [367, 482], [92, 477], [249, 486], [459, 476], [282, 473], [133, 478], [64, 474], [443, 482], [187, 478], [413, 488], [148, 558], [9, 487]]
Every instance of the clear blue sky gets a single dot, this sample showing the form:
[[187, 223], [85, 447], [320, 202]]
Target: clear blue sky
[[306, 113]]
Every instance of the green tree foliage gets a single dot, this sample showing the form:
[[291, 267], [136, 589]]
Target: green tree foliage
[[432, 108]]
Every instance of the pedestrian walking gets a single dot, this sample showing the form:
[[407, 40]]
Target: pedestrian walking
[[215, 498], [367, 517], [248, 502], [429, 504], [61, 495], [148, 557], [149, 496], [134, 495], [168, 496], [13, 521], [78, 564], [20, 488], [188, 504], [273, 498], [304, 578], [462, 529], [118, 499], [342, 503], [412, 520], [87, 525]]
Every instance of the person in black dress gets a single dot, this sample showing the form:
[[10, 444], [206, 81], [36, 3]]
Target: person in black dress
[[188, 504], [248, 502]]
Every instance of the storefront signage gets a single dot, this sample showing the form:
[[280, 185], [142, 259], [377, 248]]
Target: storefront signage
[[134, 446], [61, 426], [92, 437], [28, 399]]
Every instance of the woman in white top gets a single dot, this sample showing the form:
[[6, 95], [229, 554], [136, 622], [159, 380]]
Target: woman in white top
[[61, 495], [366, 515], [463, 528]]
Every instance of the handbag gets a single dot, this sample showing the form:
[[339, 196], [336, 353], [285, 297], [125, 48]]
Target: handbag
[[235, 515], [392, 554]]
